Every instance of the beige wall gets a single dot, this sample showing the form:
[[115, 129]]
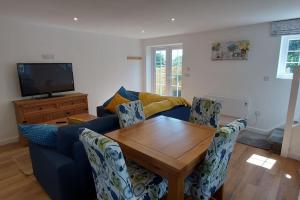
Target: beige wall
[[99, 63], [234, 79]]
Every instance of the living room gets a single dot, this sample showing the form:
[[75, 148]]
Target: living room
[[112, 44]]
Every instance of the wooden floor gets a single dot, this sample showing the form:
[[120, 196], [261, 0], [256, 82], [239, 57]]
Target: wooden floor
[[245, 181]]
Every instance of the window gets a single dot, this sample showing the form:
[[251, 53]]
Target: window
[[167, 70], [289, 56]]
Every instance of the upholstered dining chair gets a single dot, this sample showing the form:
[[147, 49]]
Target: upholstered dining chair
[[115, 178], [205, 112], [208, 178], [130, 113]]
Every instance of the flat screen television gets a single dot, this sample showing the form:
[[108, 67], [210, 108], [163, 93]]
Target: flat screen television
[[45, 78]]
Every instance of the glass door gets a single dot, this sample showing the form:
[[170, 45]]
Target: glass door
[[167, 70], [160, 72], [176, 73]]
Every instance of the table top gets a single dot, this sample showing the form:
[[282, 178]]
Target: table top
[[169, 143], [83, 117], [73, 119]]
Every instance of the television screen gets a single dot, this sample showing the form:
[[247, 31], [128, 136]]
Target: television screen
[[45, 78]]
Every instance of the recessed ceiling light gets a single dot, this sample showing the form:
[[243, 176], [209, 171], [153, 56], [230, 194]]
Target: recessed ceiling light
[[173, 19], [288, 176], [75, 19], [143, 31]]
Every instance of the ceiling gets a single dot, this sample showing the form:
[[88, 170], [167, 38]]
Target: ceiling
[[129, 18]]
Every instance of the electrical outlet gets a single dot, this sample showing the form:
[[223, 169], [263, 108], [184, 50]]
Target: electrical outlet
[[257, 113]]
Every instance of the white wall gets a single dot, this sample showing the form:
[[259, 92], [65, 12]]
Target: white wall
[[99, 63], [240, 79]]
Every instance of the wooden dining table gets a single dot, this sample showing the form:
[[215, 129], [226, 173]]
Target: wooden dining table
[[166, 146]]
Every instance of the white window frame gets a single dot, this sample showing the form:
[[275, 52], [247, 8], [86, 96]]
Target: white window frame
[[281, 74], [168, 49]]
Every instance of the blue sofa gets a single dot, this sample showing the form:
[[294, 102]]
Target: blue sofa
[[64, 172]]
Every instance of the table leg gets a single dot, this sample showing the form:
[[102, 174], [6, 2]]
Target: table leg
[[175, 188]]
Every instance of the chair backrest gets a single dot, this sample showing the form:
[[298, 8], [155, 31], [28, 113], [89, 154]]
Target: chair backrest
[[130, 113], [108, 165], [210, 175], [205, 112]]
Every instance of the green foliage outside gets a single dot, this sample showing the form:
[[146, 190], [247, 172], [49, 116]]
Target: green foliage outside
[[293, 57]]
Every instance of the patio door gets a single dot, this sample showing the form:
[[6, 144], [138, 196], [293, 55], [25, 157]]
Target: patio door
[[167, 70]]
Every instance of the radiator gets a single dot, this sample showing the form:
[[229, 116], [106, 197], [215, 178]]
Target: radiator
[[232, 108]]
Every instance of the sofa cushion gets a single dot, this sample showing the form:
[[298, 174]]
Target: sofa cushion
[[131, 95], [42, 134], [68, 135], [130, 113], [121, 91], [117, 100]]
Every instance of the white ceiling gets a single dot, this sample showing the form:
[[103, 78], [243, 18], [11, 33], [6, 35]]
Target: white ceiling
[[129, 17]]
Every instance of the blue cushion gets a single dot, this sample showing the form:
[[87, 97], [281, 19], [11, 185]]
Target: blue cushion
[[42, 134], [130, 95]]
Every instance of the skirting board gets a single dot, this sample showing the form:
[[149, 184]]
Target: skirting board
[[257, 130], [293, 156], [9, 140]]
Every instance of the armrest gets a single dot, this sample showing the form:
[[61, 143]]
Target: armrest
[[101, 112], [87, 185], [55, 172]]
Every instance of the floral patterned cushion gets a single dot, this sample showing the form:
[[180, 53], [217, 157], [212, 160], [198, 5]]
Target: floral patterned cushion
[[210, 175], [114, 179], [205, 112], [146, 185], [130, 113]]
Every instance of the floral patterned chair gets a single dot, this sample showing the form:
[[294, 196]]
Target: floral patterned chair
[[208, 178], [130, 113], [114, 178], [205, 111]]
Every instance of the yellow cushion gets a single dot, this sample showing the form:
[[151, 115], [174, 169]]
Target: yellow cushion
[[116, 100]]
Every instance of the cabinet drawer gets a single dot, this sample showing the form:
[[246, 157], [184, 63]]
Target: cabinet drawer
[[34, 119], [79, 111], [39, 108], [68, 113], [72, 102], [74, 107]]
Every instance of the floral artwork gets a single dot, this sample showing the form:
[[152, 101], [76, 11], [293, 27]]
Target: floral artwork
[[230, 50]]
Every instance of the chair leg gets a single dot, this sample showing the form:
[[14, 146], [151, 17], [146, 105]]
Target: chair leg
[[219, 193], [217, 196]]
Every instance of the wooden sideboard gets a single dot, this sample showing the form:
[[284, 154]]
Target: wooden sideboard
[[32, 111]]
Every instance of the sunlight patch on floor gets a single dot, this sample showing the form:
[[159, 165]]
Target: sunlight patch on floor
[[261, 161]]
